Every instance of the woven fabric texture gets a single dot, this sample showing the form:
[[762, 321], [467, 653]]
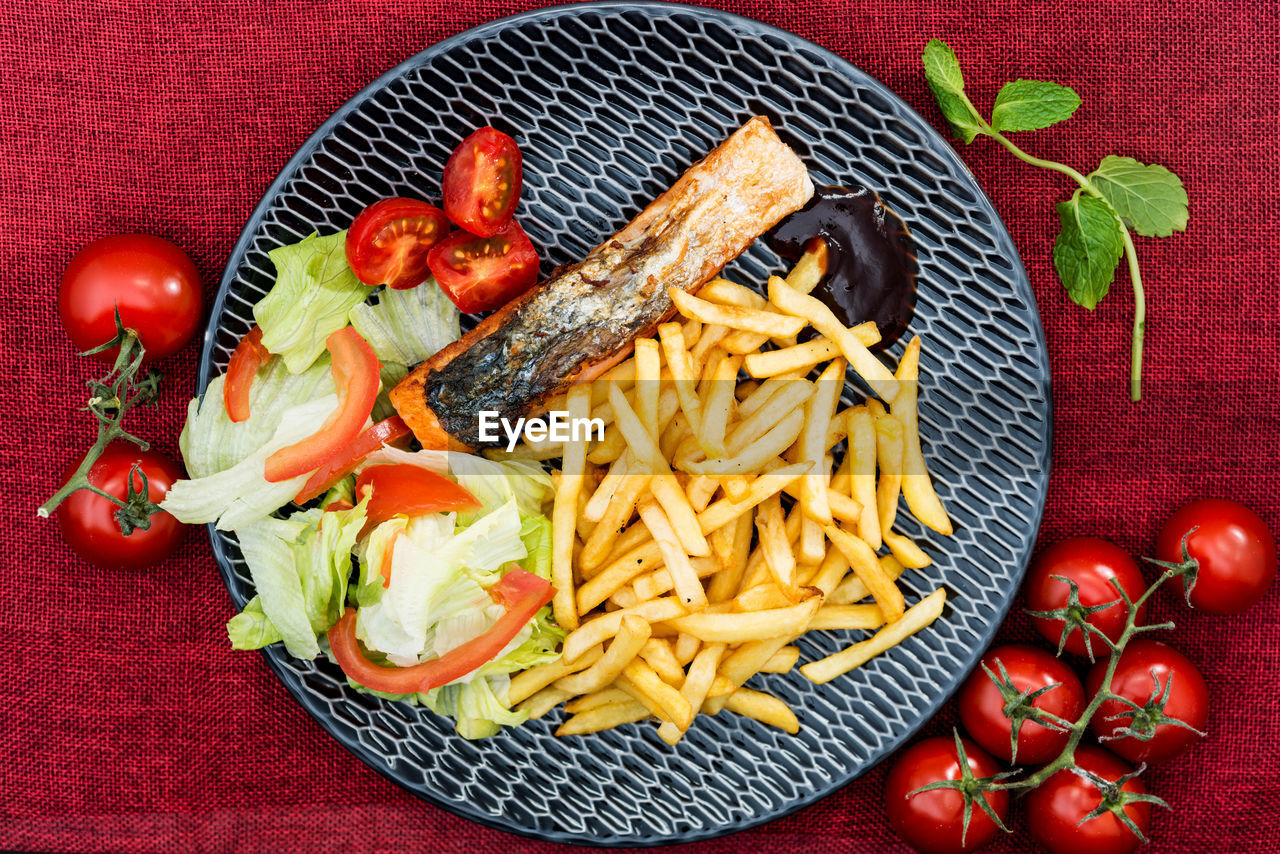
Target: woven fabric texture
[[126, 724]]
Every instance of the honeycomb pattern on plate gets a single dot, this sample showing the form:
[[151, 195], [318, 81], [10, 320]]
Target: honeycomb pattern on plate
[[610, 104]]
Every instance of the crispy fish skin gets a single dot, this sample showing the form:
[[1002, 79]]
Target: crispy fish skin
[[578, 324]]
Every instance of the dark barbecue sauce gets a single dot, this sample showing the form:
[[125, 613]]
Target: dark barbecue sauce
[[871, 260]]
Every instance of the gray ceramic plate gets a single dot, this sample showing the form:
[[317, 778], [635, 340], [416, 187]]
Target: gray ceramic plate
[[610, 103]]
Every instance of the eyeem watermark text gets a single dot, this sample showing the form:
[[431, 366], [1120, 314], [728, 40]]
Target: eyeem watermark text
[[556, 427]]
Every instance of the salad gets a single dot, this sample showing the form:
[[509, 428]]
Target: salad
[[424, 574]]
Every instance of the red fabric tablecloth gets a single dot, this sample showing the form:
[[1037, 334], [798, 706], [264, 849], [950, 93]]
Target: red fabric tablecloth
[[126, 724]]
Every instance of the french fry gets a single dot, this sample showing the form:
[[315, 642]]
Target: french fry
[[778, 556], [828, 574], [723, 511], [657, 582], [632, 634], [608, 449], [543, 701], [700, 490], [526, 683], [757, 625], [764, 708], [702, 671], [871, 369], [687, 586], [735, 317], [599, 629], [648, 372], [617, 573], [676, 433], [783, 660], [763, 597], [862, 446], [686, 648], [624, 597], [639, 680], [602, 718], [607, 488], [906, 551], [684, 520], [595, 699], [917, 617], [621, 506], [787, 399], [740, 665], [681, 366], [889, 458], [725, 583], [692, 331], [812, 447], [847, 617], [718, 406], [863, 562], [810, 269], [917, 488], [565, 512], [852, 589], [699, 353], [657, 653], [754, 456], [726, 292]]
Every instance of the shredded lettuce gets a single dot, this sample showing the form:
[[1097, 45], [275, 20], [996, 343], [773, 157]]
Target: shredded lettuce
[[407, 326], [390, 374], [211, 442], [242, 495], [476, 707], [312, 298], [300, 567]]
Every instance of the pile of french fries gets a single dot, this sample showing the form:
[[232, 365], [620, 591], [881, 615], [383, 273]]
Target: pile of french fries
[[711, 526]]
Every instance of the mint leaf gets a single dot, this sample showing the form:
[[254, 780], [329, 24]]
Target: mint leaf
[[1150, 199], [1088, 248], [1032, 105], [942, 71], [942, 67]]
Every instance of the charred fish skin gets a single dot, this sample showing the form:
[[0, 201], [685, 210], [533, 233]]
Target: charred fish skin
[[581, 322]]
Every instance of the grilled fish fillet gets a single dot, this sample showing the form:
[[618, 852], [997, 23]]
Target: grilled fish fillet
[[578, 324]]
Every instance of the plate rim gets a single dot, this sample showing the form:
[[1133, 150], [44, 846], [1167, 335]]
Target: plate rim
[[839, 65]]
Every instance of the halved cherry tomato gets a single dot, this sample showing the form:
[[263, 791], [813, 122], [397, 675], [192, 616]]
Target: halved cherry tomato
[[482, 182], [355, 374], [483, 273], [387, 243], [243, 366], [410, 490], [390, 431], [521, 593]]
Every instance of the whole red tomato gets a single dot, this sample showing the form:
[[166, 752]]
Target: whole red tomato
[[1142, 663], [1091, 563], [154, 284], [1234, 551], [1030, 669], [933, 822], [1056, 808], [88, 521]]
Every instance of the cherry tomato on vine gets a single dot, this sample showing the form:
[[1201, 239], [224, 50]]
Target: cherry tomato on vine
[[1235, 551], [1056, 808], [482, 182], [88, 521], [982, 706], [154, 284], [1091, 563], [483, 273], [933, 822], [1142, 663], [388, 242]]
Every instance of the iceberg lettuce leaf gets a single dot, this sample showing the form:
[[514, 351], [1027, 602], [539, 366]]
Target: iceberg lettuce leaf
[[312, 298], [407, 326]]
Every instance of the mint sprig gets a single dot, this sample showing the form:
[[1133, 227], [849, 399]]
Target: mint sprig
[[1119, 197]]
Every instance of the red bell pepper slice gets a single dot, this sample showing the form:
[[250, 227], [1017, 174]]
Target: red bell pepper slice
[[391, 431], [521, 593], [355, 374], [242, 368], [410, 490]]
